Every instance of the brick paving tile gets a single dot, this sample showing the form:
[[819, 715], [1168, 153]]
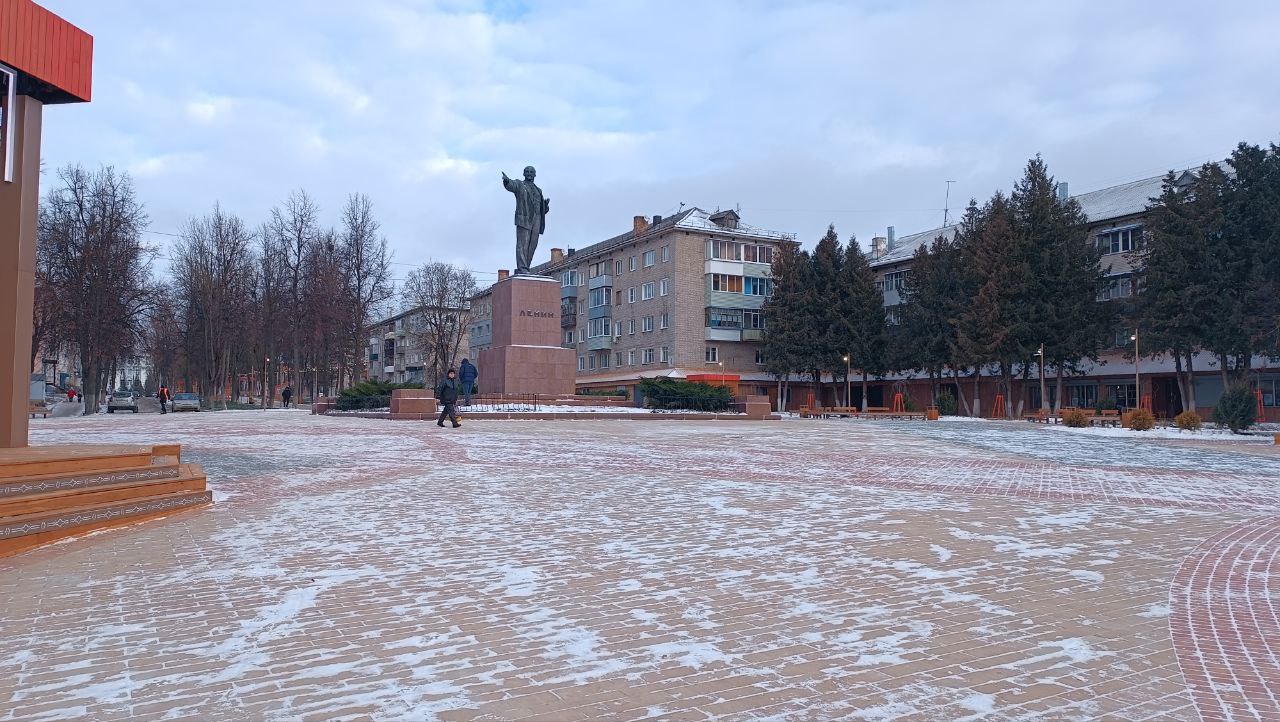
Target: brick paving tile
[[355, 569]]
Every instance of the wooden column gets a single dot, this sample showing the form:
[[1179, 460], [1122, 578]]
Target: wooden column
[[19, 205]]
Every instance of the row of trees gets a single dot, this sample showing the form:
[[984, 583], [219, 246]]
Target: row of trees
[[287, 300], [1015, 274], [1014, 289], [1210, 280]]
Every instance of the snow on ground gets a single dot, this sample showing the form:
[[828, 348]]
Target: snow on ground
[[827, 570]]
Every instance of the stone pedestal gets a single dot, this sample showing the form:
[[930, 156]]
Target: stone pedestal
[[526, 356], [412, 403]]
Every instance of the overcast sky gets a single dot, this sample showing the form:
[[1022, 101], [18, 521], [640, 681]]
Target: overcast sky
[[800, 113]]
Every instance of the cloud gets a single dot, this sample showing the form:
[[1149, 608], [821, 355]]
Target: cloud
[[803, 112]]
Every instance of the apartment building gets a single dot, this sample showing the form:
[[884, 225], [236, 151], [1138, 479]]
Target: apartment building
[[398, 348], [678, 296], [1117, 218]]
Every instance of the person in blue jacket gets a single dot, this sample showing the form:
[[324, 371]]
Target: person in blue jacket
[[467, 375]]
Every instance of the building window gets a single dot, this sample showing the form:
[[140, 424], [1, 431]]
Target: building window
[[598, 297], [646, 324], [631, 327], [568, 337], [582, 363], [599, 269], [893, 281], [726, 283], [759, 357], [569, 278], [631, 263], [713, 354], [664, 286], [1119, 241], [617, 298], [631, 295], [617, 359], [648, 356], [724, 318], [591, 362], [664, 355], [617, 267], [666, 253], [580, 334], [631, 357], [724, 250], [758, 254], [604, 360], [617, 330], [646, 291], [1118, 286], [1270, 389], [753, 320], [650, 258], [598, 327], [664, 321], [1123, 394], [753, 286]]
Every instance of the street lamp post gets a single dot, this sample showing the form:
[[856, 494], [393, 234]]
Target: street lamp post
[[848, 369], [1044, 400], [1137, 380]]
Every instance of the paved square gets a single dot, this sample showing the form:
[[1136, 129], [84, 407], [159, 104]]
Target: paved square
[[620, 570]]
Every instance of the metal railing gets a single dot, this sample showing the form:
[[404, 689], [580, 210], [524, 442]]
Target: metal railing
[[504, 403]]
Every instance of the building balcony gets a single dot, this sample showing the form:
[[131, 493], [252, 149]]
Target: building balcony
[[599, 312], [605, 281], [600, 343], [752, 334], [723, 334], [730, 268], [568, 292], [568, 320]]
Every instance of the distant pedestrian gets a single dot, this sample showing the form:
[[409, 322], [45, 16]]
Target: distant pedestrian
[[286, 395], [447, 394], [467, 374], [71, 395], [163, 397]]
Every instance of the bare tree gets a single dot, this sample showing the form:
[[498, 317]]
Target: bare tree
[[213, 266], [91, 227], [440, 294], [294, 230], [367, 273]]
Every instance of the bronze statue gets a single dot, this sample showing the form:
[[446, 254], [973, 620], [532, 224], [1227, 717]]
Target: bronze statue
[[531, 217]]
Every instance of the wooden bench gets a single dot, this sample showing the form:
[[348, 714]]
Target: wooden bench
[[34, 409], [843, 411], [879, 410], [1040, 417]]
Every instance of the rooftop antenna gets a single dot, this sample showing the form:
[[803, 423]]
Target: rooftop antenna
[[946, 209]]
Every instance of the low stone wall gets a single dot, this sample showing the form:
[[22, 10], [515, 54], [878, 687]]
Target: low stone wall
[[539, 416]]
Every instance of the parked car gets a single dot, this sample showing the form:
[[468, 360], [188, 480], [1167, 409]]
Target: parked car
[[122, 400], [185, 402]]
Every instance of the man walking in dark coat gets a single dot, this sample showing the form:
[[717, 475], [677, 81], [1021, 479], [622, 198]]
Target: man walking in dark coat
[[467, 374], [286, 395], [447, 394], [163, 397]]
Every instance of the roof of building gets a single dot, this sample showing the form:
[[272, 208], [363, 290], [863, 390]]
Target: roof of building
[[692, 219], [905, 247]]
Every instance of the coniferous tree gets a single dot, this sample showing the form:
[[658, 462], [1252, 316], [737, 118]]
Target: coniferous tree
[[858, 316], [821, 297], [1252, 225], [932, 296], [786, 335]]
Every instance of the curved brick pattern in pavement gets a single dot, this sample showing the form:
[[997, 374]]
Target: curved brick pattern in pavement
[[1225, 623]]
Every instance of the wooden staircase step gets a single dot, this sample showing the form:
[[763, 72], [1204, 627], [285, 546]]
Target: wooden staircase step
[[72, 482], [23, 532], [187, 477], [70, 459]]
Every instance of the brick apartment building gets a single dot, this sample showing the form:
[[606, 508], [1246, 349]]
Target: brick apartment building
[[678, 297], [1117, 217]]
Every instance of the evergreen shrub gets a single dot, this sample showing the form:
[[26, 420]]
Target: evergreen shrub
[[1141, 420], [946, 404], [1188, 421], [664, 393], [1075, 418], [370, 394], [1236, 409]]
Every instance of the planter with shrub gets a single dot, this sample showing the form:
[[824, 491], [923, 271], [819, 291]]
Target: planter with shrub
[[664, 393], [1141, 420], [1075, 418], [369, 395], [1188, 421]]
